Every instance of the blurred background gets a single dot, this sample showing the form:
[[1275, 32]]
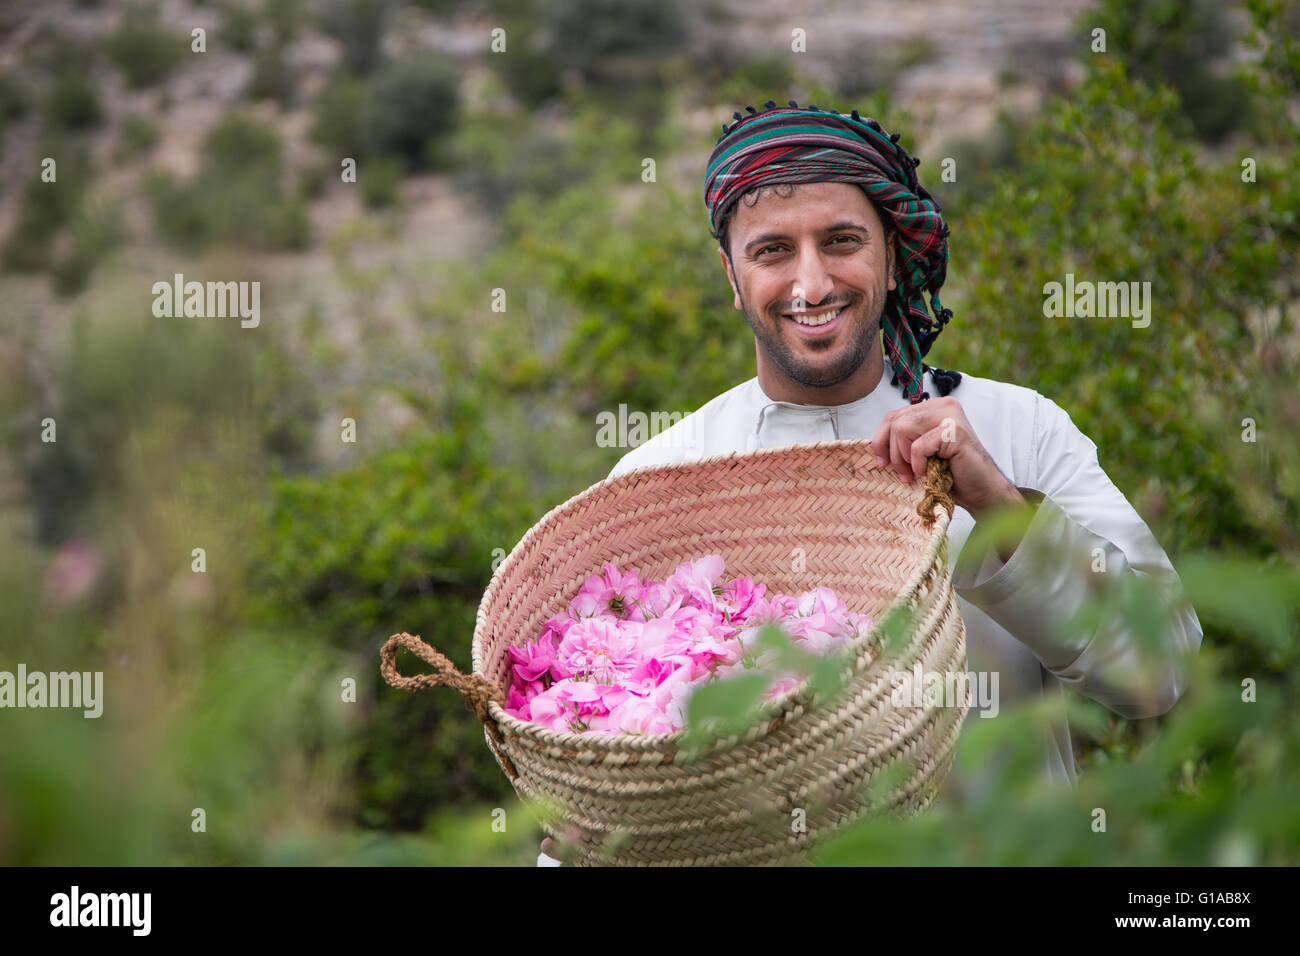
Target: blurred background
[[502, 270]]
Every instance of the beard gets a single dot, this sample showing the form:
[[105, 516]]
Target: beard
[[863, 335]]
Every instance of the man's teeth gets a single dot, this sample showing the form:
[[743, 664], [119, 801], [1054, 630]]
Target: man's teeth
[[815, 320]]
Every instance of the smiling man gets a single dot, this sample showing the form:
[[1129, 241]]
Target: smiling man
[[831, 246]]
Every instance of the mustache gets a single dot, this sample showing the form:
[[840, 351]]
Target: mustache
[[810, 307]]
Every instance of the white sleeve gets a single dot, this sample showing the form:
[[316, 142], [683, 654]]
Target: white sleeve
[[1082, 523]]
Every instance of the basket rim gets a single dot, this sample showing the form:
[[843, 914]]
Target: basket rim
[[768, 710]]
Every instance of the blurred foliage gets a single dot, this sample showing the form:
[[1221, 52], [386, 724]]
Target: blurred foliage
[[285, 17], [144, 51], [71, 102], [238, 194], [1185, 43], [404, 540], [97, 228], [15, 97], [272, 78], [380, 180], [46, 206], [359, 26], [615, 47], [403, 111], [412, 103], [119, 373], [239, 28], [139, 135], [1211, 784], [1104, 183]]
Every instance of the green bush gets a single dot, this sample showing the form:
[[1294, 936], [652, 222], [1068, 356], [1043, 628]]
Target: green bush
[[284, 17], [312, 179], [338, 116], [98, 228], [1139, 393], [404, 111], [754, 80], [239, 28], [144, 51], [125, 366], [139, 135], [379, 180], [15, 97], [497, 158], [359, 26], [1183, 45], [237, 195], [272, 79], [401, 541], [47, 207], [621, 46], [71, 102], [409, 103]]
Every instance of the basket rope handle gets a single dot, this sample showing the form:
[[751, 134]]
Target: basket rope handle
[[477, 691], [938, 489]]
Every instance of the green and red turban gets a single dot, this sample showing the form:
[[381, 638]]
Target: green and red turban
[[808, 145]]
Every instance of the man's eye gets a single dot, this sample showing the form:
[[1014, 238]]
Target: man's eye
[[846, 236], [767, 248]]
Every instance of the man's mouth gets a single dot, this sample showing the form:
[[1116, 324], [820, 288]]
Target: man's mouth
[[819, 322]]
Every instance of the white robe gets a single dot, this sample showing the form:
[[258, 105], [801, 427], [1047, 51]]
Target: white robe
[[1014, 612]]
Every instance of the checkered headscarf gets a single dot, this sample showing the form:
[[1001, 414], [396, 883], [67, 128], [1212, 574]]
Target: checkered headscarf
[[808, 145]]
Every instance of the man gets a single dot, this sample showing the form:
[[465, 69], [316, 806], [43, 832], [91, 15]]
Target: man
[[828, 240]]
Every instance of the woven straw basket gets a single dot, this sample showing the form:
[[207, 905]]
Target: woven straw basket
[[792, 518]]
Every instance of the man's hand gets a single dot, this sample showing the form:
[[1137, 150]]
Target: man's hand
[[909, 436]]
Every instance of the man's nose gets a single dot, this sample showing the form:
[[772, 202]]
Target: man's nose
[[812, 282]]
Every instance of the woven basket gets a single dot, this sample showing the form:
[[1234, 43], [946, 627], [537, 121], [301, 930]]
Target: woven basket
[[792, 518]]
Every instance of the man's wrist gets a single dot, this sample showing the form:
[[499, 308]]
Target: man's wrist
[[1012, 498]]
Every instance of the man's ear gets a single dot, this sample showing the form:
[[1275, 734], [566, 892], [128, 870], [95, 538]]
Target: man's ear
[[891, 257], [726, 267]]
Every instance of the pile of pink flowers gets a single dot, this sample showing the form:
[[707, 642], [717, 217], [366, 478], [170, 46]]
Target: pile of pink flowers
[[628, 654]]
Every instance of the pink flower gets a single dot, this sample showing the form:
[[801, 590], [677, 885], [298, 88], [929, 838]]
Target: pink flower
[[610, 593], [533, 659], [696, 580], [781, 685], [638, 716], [861, 623], [820, 600], [556, 628], [658, 637], [73, 571], [738, 596], [549, 710], [656, 599], [597, 648], [771, 610], [819, 633], [627, 587], [628, 655], [592, 602], [699, 624]]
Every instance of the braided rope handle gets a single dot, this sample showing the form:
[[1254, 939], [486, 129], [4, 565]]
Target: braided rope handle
[[938, 490], [477, 691]]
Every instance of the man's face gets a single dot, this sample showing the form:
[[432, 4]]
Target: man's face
[[821, 252]]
